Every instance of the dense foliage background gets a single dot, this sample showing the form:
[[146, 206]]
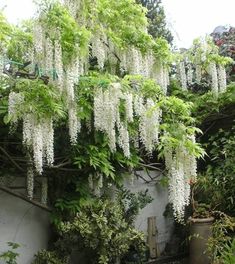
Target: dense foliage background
[[85, 54]]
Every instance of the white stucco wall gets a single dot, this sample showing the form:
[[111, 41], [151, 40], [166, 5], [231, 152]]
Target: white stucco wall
[[22, 223], [159, 193], [28, 225]]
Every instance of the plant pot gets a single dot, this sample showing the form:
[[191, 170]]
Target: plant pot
[[200, 231]]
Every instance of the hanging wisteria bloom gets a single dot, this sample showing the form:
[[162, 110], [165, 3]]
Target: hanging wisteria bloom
[[49, 51], [74, 124], [182, 171], [99, 50], [139, 107], [123, 139], [135, 61], [183, 77], [30, 182], [39, 136], [189, 169], [166, 80], [73, 6], [198, 73], [204, 49], [222, 79], [214, 78], [28, 123], [58, 62], [192, 162], [177, 189], [38, 36], [160, 75], [149, 125], [1, 66], [129, 106], [190, 74], [106, 111], [48, 140], [14, 101], [69, 86], [146, 65], [38, 147]]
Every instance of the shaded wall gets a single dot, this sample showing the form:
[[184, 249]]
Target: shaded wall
[[23, 223], [165, 225]]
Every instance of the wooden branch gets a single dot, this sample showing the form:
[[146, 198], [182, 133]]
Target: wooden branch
[[205, 132], [152, 179], [151, 167], [10, 158], [20, 196], [66, 169], [61, 165], [142, 178], [107, 45]]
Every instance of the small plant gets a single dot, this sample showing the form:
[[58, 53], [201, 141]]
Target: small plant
[[47, 257], [202, 210], [221, 240], [132, 203], [228, 255], [10, 256], [103, 229]]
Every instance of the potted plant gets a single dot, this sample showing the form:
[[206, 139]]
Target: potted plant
[[212, 226], [200, 232], [201, 222]]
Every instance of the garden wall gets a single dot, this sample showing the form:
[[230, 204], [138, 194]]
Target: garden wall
[[23, 223], [165, 225], [28, 225]]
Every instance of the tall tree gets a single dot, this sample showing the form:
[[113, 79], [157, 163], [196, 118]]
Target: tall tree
[[157, 19]]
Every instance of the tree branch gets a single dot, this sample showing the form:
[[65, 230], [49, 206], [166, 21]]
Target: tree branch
[[148, 166], [11, 159]]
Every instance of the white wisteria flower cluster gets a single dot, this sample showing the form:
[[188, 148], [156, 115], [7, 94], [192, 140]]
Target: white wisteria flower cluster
[[30, 182], [107, 118], [1, 65], [200, 60], [38, 135], [214, 78], [218, 78], [74, 124], [106, 111], [183, 76], [150, 119], [217, 73], [135, 63], [49, 56], [99, 49], [182, 171], [14, 101]]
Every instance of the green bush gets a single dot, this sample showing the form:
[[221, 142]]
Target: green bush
[[46, 257]]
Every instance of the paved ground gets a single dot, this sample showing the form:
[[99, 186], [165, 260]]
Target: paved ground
[[183, 261]]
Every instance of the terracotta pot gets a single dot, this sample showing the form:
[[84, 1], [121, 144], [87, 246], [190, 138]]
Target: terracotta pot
[[200, 231]]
